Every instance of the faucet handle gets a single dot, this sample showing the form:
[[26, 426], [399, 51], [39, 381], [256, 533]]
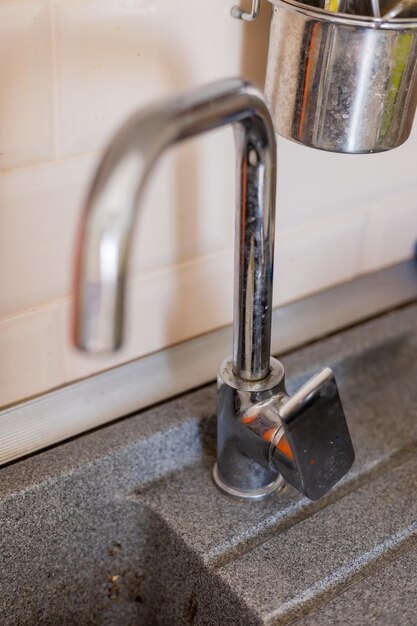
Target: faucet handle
[[312, 449]]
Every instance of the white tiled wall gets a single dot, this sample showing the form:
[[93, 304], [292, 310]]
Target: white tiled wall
[[71, 71]]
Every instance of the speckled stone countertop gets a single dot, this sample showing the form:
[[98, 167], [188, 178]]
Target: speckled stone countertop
[[124, 526]]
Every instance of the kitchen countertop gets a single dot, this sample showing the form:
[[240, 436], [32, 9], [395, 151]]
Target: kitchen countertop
[[124, 526]]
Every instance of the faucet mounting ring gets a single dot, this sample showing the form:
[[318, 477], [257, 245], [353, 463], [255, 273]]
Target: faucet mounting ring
[[273, 487]]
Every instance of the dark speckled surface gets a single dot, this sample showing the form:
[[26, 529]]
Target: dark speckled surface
[[124, 526]]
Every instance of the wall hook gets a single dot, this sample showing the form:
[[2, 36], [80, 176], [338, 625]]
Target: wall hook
[[240, 14]]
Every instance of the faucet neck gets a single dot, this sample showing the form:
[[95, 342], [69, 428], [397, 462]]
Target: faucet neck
[[114, 197], [254, 247]]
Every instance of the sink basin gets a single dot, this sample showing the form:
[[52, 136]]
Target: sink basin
[[125, 526]]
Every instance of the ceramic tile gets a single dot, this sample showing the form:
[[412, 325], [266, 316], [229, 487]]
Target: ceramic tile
[[310, 259], [30, 362], [103, 69], [113, 58], [39, 213], [314, 184], [391, 233], [26, 119], [162, 308], [187, 210]]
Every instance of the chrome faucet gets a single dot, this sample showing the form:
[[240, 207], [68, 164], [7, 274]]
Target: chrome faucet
[[263, 435]]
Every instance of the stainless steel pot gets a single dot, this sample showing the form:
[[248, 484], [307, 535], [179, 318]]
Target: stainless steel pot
[[339, 82]]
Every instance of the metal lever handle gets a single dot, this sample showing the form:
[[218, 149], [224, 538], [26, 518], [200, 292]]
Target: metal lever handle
[[240, 14], [303, 438], [313, 449]]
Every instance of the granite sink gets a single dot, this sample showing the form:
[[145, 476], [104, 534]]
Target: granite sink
[[124, 525]]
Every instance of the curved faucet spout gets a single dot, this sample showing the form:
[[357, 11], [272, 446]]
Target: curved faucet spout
[[109, 216]]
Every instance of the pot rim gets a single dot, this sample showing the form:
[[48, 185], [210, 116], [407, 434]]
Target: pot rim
[[406, 23]]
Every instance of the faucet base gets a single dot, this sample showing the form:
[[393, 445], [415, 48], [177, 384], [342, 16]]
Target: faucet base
[[248, 494], [243, 468]]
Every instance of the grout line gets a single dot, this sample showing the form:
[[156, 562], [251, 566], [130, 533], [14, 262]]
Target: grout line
[[50, 304], [43, 164], [52, 40], [329, 220]]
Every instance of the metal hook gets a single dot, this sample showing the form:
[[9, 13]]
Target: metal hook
[[240, 14]]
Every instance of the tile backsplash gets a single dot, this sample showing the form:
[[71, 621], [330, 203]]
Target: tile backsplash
[[72, 70]]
